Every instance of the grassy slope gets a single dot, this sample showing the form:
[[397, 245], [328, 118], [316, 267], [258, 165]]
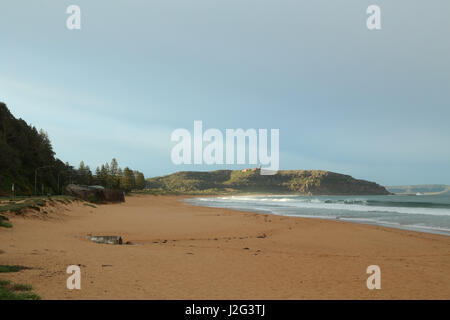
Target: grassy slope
[[23, 203]]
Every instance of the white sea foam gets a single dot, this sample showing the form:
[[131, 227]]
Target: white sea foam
[[418, 213], [360, 205]]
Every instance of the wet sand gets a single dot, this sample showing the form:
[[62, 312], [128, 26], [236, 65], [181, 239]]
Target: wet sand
[[181, 251]]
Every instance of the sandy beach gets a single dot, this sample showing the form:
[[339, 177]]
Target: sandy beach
[[181, 251]]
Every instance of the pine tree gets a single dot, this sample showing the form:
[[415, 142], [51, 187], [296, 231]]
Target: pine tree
[[84, 174], [127, 182], [140, 180]]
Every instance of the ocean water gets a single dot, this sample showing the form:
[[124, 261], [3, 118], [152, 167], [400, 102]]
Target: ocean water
[[426, 213]]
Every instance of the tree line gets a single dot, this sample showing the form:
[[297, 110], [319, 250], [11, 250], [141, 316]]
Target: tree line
[[108, 175], [28, 161]]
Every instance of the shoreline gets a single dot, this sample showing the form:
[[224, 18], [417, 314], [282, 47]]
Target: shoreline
[[422, 229], [183, 251]]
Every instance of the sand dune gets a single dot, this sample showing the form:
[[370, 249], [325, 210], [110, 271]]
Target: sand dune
[[180, 251]]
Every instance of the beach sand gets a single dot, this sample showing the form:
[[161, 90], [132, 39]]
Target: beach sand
[[181, 251]]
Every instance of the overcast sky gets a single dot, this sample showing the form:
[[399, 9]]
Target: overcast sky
[[372, 104]]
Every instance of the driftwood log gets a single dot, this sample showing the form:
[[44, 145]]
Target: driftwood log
[[107, 239]]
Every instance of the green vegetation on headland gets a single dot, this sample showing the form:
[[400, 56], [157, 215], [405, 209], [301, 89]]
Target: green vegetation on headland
[[425, 189], [10, 291], [27, 160], [312, 182]]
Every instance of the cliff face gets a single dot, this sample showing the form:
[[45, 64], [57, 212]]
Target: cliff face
[[330, 183], [316, 182]]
